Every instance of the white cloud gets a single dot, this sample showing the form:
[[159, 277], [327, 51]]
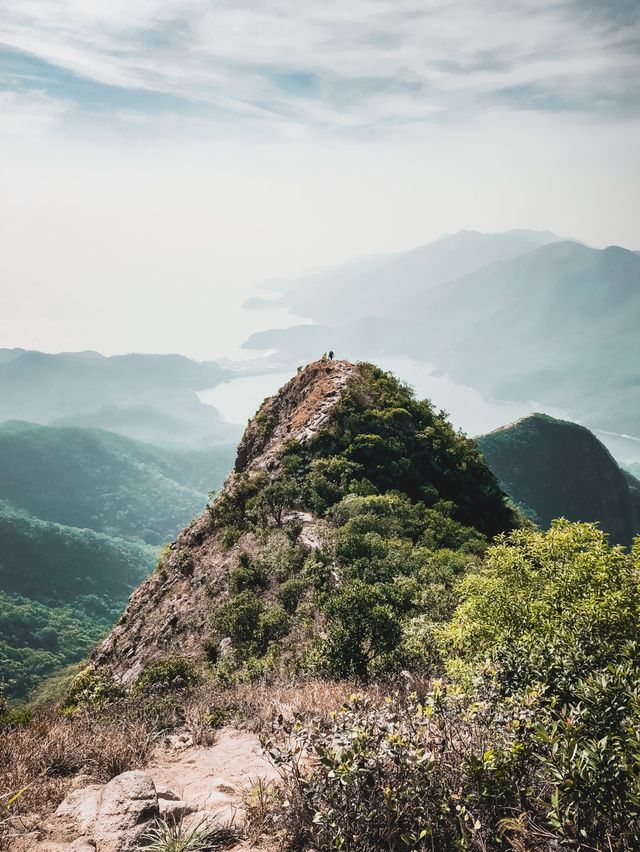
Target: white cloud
[[158, 158], [334, 63]]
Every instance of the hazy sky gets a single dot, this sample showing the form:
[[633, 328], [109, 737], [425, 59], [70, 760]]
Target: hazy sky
[[159, 158]]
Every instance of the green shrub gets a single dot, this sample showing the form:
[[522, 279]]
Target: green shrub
[[362, 627], [291, 592], [271, 502], [171, 673], [185, 563], [249, 624], [274, 625], [239, 619], [250, 575], [91, 688], [550, 607], [477, 773]]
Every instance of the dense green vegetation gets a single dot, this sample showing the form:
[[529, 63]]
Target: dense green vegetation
[[51, 562], [411, 505], [553, 468], [82, 512], [530, 740], [62, 588], [106, 482], [533, 742], [38, 639]]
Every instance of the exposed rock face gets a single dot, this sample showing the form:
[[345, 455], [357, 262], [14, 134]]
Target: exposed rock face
[[297, 412], [554, 468], [169, 612]]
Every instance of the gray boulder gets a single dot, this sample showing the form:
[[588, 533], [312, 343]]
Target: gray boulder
[[116, 816]]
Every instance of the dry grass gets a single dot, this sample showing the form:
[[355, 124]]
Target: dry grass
[[46, 754]]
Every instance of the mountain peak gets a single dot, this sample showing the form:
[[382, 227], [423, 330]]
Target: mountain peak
[[297, 412], [338, 438]]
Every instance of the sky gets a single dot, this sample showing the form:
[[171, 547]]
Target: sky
[[160, 158]]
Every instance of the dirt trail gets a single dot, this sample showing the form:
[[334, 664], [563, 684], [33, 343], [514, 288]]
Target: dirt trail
[[213, 778]]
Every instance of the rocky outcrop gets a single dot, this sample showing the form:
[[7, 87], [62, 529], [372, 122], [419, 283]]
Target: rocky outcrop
[[169, 612], [191, 786], [298, 412]]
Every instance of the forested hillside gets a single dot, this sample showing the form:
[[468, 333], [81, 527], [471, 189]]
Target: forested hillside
[[106, 482], [552, 468], [82, 515]]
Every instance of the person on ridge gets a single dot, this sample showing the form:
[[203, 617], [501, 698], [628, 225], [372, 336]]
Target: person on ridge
[[331, 355]]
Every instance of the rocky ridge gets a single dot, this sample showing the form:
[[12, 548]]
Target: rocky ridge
[[170, 611]]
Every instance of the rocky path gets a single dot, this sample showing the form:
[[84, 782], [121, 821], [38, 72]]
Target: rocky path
[[181, 783]]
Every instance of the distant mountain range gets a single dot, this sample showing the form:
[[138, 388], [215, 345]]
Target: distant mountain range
[[552, 468], [519, 316], [149, 397]]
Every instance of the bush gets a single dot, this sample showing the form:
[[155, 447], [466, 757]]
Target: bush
[[271, 502], [248, 575], [239, 619], [454, 772], [290, 593], [362, 627], [169, 674], [249, 625], [550, 607], [90, 689], [380, 777]]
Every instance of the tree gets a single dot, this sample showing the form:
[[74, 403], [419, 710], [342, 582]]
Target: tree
[[362, 626]]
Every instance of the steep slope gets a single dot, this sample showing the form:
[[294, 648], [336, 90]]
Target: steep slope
[[344, 487], [106, 482], [553, 468], [148, 397]]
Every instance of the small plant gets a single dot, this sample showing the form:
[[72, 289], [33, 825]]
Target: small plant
[[290, 593], [248, 575], [166, 675], [162, 558], [171, 836], [90, 689], [185, 564]]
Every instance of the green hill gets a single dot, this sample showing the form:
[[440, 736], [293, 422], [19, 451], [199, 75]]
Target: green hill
[[553, 468], [352, 509], [106, 482], [60, 589], [82, 513]]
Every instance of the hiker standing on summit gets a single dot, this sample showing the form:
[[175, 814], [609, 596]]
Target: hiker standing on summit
[[331, 355]]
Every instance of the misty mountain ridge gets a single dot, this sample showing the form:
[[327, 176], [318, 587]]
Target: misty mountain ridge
[[148, 397], [554, 322], [389, 278]]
